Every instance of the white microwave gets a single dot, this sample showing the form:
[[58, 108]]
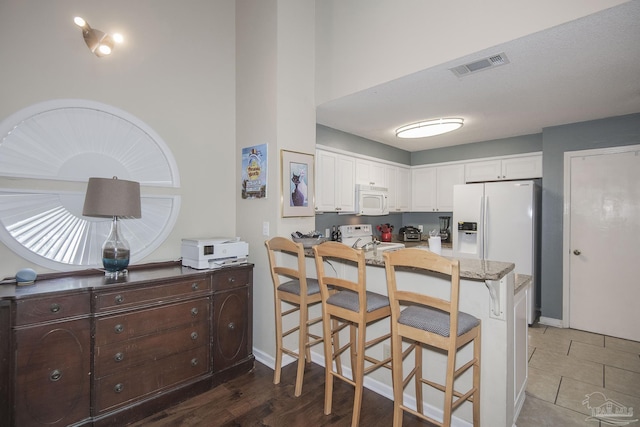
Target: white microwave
[[371, 200]]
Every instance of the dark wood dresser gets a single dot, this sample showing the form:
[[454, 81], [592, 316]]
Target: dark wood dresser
[[83, 350]]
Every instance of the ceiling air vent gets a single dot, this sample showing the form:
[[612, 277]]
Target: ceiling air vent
[[482, 64]]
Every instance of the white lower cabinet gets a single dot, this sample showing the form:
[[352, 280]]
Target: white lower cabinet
[[520, 348], [432, 187]]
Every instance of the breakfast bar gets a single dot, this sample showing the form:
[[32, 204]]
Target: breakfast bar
[[488, 292]]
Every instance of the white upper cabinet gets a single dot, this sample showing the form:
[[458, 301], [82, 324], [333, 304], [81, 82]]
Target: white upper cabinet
[[517, 167], [423, 189], [397, 179], [335, 182], [432, 187], [370, 173], [447, 177]]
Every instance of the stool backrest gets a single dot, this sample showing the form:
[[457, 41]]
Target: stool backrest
[[425, 262], [338, 251], [276, 248]]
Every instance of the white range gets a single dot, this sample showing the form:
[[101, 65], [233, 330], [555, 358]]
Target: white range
[[360, 236]]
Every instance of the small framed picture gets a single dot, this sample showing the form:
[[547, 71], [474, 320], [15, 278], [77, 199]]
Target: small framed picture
[[297, 184]]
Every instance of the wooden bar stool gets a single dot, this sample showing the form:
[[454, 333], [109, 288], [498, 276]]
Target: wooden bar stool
[[351, 304], [299, 291], [428, 320]]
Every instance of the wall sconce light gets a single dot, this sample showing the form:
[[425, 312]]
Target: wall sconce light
[[98, 41], [113, 198]]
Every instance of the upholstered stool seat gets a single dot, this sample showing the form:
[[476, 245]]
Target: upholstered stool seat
[[435, 321]]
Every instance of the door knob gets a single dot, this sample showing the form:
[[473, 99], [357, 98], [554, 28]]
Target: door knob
[[576, 252]]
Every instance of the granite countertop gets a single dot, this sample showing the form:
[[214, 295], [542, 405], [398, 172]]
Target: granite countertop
[[522, 280], [473, 269]]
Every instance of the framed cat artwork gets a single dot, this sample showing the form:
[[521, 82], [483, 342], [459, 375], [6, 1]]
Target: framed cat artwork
[[297, 183]]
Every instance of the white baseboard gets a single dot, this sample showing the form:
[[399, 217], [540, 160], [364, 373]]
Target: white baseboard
[[550, 321]]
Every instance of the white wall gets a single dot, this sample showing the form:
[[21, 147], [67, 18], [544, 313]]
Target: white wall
[[363, 43], [275, 105], [175, 72]]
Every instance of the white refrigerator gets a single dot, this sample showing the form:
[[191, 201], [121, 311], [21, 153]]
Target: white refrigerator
[[499, 221]]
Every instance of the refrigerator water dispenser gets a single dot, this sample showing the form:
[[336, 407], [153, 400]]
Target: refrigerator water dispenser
[[467, 241]]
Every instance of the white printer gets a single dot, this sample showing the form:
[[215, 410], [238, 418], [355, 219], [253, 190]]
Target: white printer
[[214, 252]]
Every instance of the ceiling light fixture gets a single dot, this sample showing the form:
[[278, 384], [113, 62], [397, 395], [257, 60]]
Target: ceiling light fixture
[[98, 41], [429, 128]]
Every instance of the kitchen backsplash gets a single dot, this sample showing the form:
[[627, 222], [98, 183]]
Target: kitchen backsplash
[[429, 220]]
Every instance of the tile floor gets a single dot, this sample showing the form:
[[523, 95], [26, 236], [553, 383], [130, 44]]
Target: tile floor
[[567, 365]]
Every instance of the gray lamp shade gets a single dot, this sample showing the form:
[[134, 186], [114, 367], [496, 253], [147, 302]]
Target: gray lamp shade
[[109, 197]]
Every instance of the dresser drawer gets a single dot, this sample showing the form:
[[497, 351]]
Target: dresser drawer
[[152, 377], [122, 327], [146, 295], [35, 310], [231, 278], [122, 355]]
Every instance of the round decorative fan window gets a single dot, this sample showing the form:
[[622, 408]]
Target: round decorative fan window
[[49, 150]]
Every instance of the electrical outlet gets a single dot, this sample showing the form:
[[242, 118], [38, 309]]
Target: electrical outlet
[[265, 228], [386, 351], [421, 228]]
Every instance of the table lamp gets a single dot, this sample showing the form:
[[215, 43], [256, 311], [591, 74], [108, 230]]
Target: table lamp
[[113, 198]]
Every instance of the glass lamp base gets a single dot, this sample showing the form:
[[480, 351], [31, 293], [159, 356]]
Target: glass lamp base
[[116, 274], [115, 253]]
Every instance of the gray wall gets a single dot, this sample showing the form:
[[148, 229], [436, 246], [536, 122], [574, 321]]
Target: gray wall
[[610, 132], [497, 147], [348, 142]]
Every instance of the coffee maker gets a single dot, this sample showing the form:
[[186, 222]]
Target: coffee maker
[[445, 233]]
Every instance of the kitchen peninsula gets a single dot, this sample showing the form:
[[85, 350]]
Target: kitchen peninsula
[[490, 291]]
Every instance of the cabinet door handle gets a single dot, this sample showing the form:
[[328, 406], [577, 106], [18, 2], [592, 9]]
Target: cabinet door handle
[[119, 357], [55, 375], [231, 326], [118, 328], [194, 361], [194, 311], [119, 299], [577, 252], [55, 307], [231, 279], [194, 286], [118, 388], [194, 336]]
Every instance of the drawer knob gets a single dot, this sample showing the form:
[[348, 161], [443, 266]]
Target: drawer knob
[[231, 326], [232, 279], [118, 388], [194, 311], [194, 361], [55, 375], [55, 308], [195, 286], [119, 299], [194, 336], [118, 328], [119, 357]]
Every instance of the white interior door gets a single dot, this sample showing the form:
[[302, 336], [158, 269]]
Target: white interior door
[[603, 251]]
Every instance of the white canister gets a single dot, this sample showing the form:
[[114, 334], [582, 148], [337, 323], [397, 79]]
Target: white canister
[[435, 245]]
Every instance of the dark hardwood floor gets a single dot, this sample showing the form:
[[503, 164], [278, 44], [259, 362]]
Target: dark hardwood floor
[[253, 400]]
